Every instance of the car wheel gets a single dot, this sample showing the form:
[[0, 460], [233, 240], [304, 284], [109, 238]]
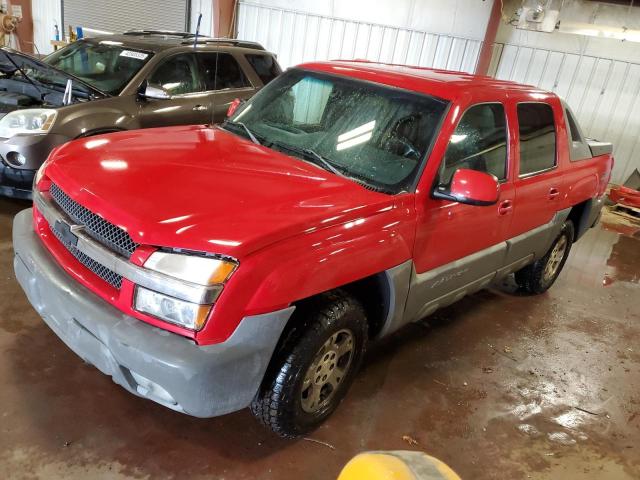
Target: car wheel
[[540, 275], [314, 367]]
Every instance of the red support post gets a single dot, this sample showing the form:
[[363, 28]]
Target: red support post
[[484, 59]]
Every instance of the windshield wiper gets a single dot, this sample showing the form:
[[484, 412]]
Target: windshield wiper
[[308, 154], [245, 128]]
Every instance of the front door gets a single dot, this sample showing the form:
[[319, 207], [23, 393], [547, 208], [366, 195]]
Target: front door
[[188, 104], [460, 247]]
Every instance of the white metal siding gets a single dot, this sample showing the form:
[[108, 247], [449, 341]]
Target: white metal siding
[[121, 15], [602, 92], [46, 14], [298, 37]]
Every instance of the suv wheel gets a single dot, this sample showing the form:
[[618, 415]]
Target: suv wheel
[[540, 275], [314, 367]]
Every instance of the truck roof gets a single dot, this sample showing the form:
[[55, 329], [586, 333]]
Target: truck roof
[[443, 83]]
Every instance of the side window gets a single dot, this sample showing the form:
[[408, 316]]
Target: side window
[[176, 75], [478, 143], [537, 137], [265, 66], [227, 75]]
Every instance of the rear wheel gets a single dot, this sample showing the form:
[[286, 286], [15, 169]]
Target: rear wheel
[[541, 274], [314, 367]]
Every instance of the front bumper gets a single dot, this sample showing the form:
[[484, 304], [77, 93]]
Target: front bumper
[[17, 181], [203, 381]]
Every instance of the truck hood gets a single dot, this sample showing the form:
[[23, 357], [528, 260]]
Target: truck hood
[[205, 189]]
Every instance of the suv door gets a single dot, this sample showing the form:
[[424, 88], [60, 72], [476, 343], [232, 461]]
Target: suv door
[[460, 247], [224, 80], [188, 103], [539, 185]]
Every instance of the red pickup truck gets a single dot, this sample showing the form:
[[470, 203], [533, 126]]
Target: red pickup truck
[[213, 268]]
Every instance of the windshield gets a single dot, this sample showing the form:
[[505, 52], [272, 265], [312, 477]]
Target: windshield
[[106, 66], [373, 134]]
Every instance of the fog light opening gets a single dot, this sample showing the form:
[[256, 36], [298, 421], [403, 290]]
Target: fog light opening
[[16, 159]]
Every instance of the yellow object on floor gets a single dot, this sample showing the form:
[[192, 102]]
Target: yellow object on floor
[[396, 465]]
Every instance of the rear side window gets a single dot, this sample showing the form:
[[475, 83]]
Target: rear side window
[[265, 66], [537, 137], [227, 75], [478, 143]]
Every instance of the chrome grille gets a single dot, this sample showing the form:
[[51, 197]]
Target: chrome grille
[[109, 235], [109, 276]]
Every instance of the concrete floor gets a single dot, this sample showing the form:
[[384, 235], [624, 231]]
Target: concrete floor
[[498, 385]]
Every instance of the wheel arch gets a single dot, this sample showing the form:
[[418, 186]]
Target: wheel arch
[[584, 215]]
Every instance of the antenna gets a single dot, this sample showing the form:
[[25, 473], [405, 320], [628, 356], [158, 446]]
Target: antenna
[[195, 40]]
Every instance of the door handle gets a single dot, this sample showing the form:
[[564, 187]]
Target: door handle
[[505, 207], [553, 193], [199, 108]]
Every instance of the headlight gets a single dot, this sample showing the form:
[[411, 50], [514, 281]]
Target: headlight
[[31, 120], [185, 314], [201, 270], [192, 268]]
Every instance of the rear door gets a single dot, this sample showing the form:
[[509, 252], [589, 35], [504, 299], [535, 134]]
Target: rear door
[[539, 183], [224, 80], [459, 247], [188, 103]]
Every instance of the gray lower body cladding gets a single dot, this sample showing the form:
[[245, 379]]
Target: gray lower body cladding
[[416, 295], [202, 381]]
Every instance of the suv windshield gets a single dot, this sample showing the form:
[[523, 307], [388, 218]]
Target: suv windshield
[[374, 134], [107, 66]]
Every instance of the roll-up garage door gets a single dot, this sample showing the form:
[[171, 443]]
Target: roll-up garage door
[[121, 15]]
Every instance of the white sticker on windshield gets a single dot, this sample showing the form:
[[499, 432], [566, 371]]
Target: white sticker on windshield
[[132, 54]]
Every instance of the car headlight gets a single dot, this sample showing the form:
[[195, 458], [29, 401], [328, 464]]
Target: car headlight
[[172, 310], [191, 268], [30, 120], [201, 270]]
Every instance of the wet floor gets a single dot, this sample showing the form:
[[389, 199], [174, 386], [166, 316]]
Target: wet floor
[[499, 386]]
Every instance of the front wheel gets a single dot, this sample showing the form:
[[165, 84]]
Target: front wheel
[[314, 367], [541, 274]]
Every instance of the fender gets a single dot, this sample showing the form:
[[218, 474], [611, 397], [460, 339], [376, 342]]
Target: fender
[[312, 263], [112, 113]]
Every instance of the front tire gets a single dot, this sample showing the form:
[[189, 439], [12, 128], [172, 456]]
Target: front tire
[[314, 367], [541, 274]]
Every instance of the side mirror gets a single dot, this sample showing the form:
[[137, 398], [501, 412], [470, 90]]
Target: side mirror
[[471, 187], [233, 106], [156, 93]]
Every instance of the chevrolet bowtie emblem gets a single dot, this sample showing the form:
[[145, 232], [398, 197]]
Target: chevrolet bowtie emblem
[[64, 230]]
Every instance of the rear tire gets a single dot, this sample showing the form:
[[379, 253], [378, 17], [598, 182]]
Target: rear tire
[[541, 274], [314, 367]]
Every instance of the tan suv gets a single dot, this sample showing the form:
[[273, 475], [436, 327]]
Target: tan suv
[[106, 84]]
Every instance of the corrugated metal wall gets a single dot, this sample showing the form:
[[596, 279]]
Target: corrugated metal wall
[[603, 93], [300, 36], [121, 15]]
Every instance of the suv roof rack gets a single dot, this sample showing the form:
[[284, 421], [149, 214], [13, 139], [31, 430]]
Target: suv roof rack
[[227, 41], [166, 33]]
